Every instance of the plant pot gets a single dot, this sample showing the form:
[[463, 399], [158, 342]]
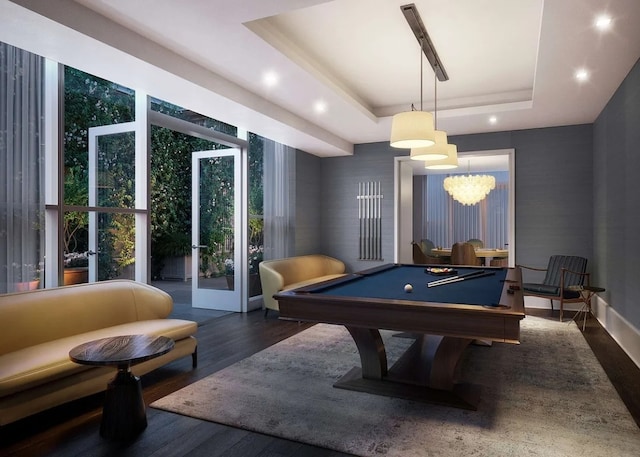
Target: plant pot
[[27, 285], [255, 286], [76, 275]]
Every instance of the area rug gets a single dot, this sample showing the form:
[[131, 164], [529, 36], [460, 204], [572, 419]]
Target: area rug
[[548, 396]]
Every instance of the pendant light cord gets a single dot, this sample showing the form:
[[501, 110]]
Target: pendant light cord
[[435, 97], [421, 108]]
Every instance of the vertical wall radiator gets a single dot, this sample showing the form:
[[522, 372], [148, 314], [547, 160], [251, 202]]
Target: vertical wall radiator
[[370, 220]]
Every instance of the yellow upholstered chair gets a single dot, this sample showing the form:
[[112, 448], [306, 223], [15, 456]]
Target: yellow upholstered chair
[[292, 272]]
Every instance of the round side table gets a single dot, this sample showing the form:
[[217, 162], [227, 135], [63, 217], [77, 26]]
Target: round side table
[[123, 414], [586, 294]]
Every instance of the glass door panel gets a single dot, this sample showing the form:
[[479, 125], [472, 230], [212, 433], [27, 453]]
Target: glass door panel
[[76, 247], [105, 250], [115, 174], [113, 246], [112, 187], [216, 203]]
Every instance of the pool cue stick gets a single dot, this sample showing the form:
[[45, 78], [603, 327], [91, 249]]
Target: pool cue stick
[[444, 280], [360, 220], [465, 278], [373, 226], [368, 219], [375, 222], [378, 222]]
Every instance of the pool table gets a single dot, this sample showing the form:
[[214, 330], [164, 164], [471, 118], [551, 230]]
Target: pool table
[[442, 319]]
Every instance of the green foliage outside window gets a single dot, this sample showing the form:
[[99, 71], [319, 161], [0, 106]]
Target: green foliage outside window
[[91, 102]]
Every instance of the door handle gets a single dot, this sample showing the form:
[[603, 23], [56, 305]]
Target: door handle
[[91, 253], [200, 246]]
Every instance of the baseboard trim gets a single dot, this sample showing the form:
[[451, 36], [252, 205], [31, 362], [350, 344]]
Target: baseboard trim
[[621, 330]]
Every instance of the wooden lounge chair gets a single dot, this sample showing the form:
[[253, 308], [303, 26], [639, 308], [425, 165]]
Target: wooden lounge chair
[[563, 271]]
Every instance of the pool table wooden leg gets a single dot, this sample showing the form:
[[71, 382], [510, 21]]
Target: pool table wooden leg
[[430, 361], [443, 354], [425, 372], [373, 356]]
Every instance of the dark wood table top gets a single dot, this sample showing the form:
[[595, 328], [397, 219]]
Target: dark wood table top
[[595, 289], [121, 350]]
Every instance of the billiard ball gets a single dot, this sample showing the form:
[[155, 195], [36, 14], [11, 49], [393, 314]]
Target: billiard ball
[[408, 288]]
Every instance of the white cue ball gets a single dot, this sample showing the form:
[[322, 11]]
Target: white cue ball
[[408, 288]]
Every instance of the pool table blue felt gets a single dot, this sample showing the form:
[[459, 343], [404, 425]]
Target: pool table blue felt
[[388, 281]]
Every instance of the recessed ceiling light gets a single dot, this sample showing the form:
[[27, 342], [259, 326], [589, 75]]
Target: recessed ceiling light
[[603, 22], [493, 120], [270, 78], [320, 107], [581, 75]]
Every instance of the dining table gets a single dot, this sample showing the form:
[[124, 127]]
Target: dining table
[[486, 254]]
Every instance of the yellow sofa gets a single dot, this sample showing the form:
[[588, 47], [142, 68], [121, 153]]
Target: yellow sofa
[[293, 272], [39, 328]]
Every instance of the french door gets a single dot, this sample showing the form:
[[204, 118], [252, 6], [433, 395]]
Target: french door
[[218, 230], [113, 211]]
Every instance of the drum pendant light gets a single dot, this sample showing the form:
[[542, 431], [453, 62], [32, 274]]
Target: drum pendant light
[[413, 129]]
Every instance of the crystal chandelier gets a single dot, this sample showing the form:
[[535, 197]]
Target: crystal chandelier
[[469, 189]]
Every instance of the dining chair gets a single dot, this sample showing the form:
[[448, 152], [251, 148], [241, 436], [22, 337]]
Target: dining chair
[[426, 245], [421, 257], [561, 272], [476, 243], [464, 254], [501, 262]]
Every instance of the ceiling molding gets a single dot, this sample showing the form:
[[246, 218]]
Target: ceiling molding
[[270, 34]]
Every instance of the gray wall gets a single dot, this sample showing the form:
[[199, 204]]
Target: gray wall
[[308, 201], [616, 209], [553, 192], [340, 178], [418, 207]]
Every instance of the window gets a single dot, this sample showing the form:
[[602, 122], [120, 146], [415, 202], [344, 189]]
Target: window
[[445, 221], [21, 168]]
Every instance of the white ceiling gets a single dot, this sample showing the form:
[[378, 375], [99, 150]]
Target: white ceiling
[[514, 60]]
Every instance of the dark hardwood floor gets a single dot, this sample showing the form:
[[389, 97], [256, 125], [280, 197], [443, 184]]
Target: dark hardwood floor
[[73, 429]]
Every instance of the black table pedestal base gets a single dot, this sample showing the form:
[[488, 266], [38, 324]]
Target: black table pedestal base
[[124, 415]]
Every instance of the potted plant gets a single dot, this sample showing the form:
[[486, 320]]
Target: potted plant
[[75, 224], [256, 255], [76, 268], [229, 272], [25, 277]]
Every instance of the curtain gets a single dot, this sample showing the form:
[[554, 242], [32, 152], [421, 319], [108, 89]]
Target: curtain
[[446, 221], [21, 168], [279, 200]]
